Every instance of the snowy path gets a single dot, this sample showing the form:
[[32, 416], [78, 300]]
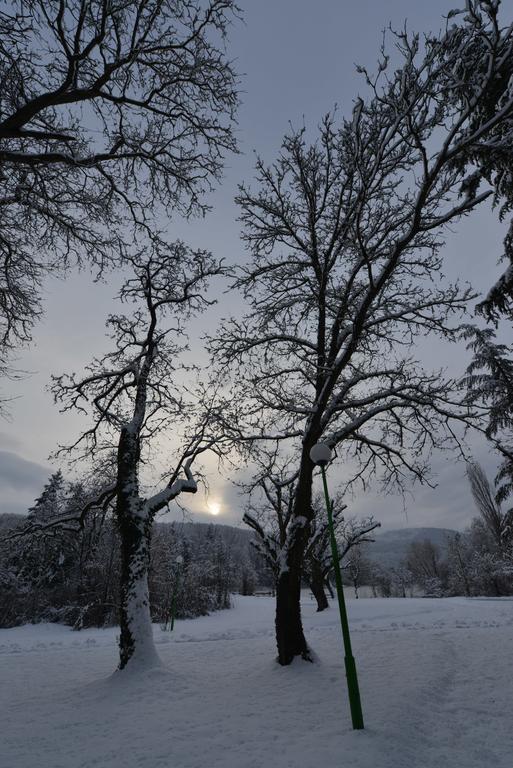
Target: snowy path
[[436, 678]]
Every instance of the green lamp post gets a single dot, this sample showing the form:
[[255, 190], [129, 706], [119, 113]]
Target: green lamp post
[[321, 455], [178, 561]]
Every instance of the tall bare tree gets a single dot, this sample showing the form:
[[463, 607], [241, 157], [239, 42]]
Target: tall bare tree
[[345, 236], [351, 533], [424, 561], [269, 513], [109, 111], [133, 394]]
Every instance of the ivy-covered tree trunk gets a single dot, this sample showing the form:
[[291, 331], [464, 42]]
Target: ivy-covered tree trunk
[[136, 637]]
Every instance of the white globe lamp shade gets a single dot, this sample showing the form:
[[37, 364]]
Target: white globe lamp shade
[[321, 454]]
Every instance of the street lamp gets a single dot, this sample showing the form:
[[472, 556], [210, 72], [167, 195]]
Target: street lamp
[[321, 455], [178, 561]]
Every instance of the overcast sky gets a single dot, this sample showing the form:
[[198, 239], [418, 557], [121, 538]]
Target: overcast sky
[[297, 60]]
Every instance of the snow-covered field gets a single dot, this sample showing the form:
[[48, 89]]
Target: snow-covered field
[[436, 679]]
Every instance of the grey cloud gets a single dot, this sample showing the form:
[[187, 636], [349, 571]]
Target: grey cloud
[[14, 506], [20, 474], [9, 442], [448, 505]]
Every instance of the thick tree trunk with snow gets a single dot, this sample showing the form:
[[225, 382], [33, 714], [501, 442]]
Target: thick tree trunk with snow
[[136, 638], [290, 637]]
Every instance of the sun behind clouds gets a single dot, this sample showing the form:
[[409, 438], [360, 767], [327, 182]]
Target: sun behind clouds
[[213, 507]]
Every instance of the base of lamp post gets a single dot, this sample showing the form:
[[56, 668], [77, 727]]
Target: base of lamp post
[[354, 693]]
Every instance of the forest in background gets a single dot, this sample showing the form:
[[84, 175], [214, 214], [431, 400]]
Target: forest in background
[[56, 575]]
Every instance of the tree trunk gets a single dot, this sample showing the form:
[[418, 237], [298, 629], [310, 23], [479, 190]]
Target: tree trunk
[[136, 639], [106, 586], [290, 638], [317, 587]]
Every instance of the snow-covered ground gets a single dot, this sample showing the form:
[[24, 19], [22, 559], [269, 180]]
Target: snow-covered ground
[[436, 678]]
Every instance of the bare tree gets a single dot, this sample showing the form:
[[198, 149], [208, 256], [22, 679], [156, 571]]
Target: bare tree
[[355, 569], [402, 580], [269, 513], [459, 568], [423, 560], [318, 560], [345, 236], [269, 509], [350, 534], [134, 393], [108, 111]]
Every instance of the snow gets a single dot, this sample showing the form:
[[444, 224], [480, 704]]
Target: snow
[[436, 679], [138, 616]]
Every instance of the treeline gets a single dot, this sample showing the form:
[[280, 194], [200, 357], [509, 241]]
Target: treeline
[[473, 566], [72, 576], [476, 562]]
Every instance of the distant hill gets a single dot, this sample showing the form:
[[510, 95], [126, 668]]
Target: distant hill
[[390, 548], [229, 533], [232, 536]]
